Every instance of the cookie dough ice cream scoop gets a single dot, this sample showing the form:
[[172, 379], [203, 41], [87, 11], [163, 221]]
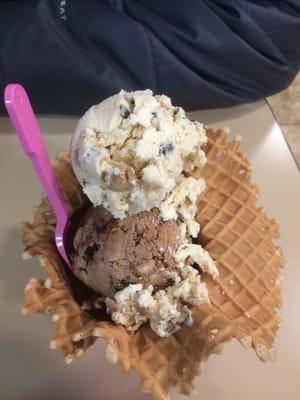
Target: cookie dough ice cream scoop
[[131, 151]]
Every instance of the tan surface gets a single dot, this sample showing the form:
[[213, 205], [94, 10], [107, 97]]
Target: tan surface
[[292, 134], [243, 298], [286, 108], [260, 140]]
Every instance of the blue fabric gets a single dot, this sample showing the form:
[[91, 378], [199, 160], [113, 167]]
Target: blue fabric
[[70, 54]]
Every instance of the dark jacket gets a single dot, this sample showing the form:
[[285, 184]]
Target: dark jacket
[[70, 54]]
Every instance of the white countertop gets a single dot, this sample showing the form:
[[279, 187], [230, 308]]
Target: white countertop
[[30, 371]]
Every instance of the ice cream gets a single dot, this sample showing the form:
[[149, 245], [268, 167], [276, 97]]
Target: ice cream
[[167, 310], [133, 155], [143, 267], [109, 254], [131, 152]]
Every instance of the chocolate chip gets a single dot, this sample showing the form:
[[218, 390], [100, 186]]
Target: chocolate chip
[[165, 149], [154, 114], [77, 162], [123, 283], [84, 182], [124, 112], [175, 112], [132, 104], [169, 282], [83, 269], [90, 252]]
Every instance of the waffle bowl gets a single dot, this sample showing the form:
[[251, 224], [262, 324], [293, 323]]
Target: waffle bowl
[[244, 298]]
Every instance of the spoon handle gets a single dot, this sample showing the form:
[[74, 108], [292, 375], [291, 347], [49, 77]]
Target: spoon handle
[[31, 139]]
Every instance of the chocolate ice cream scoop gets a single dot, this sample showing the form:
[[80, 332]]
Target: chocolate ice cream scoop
[[109, 254]]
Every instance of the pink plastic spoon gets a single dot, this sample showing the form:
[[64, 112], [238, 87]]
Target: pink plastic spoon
[[31, 139]]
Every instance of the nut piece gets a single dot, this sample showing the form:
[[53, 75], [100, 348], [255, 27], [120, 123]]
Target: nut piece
[[117, 176]]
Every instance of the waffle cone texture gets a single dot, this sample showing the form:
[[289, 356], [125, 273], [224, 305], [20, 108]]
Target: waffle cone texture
[[244, 298]]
